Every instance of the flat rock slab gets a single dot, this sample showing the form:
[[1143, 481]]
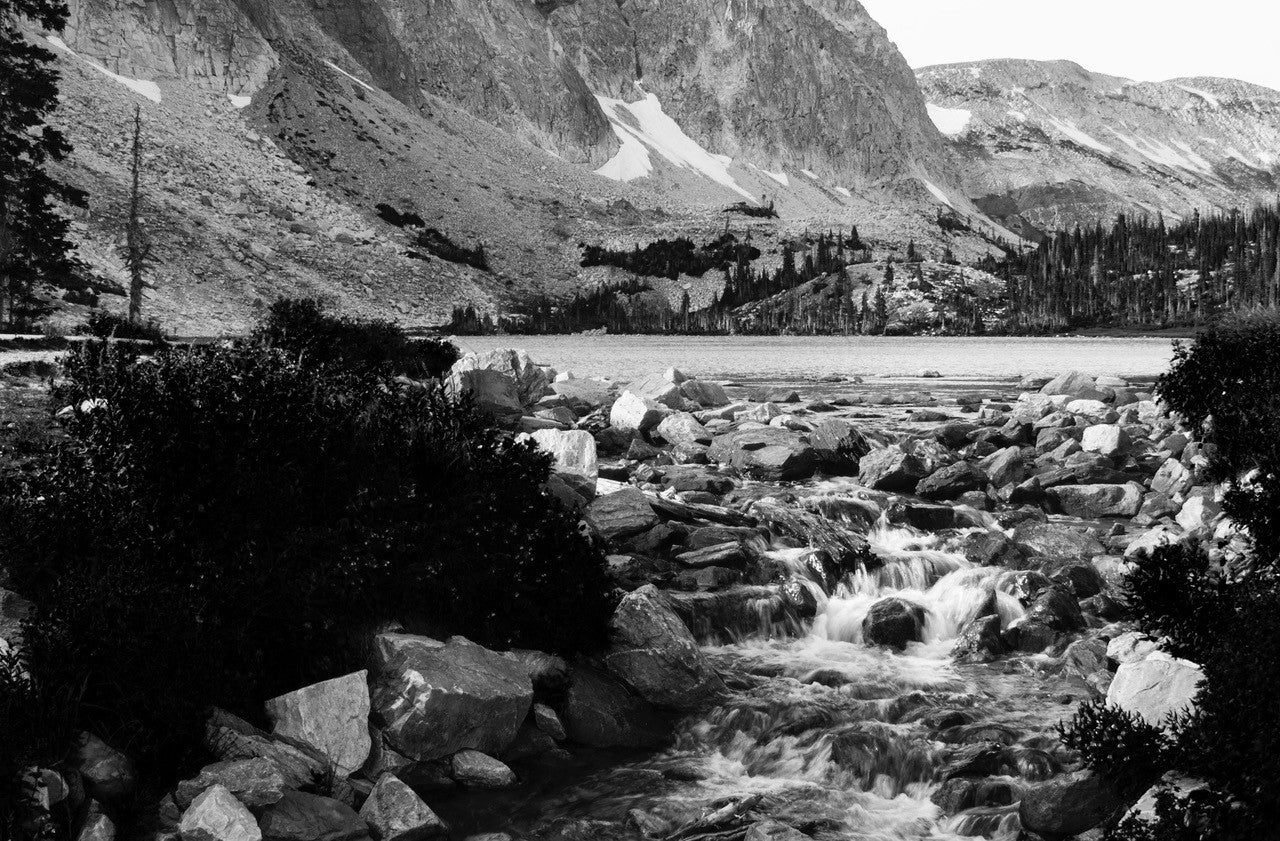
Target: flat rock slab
[[331, 716], [621, 514], [1155, 687]]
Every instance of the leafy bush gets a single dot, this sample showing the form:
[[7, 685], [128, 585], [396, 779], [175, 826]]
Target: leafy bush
[[1225, 387], [223, 525], [1115, 743], [110, 325], [303, 328]]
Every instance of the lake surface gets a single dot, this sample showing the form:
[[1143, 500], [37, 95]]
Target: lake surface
[[975, 361]]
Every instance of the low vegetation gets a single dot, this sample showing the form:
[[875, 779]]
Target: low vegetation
[[1224, 616], [219, 525]]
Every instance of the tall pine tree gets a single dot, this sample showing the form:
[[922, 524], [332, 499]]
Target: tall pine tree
[[34, 248]]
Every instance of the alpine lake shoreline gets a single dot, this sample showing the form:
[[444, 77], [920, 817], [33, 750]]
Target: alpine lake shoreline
[[853, 616]]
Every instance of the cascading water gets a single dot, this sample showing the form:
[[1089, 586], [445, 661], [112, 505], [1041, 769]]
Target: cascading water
[[843, 739]]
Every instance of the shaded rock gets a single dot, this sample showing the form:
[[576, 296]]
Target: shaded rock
[[769, 454], [774, 831], [893, 622], [890, 469], [952, 481], [1076, 385], [929, 517], [1070, 805], [1058, 542], [1023, 585], [1057, 607], [724, 554], [479, 770], [299, 816], [254, 782], [396, 813], [530, 379], [1082, 579], [992, 548], [435, 700], [1155, 687], [768, 394], [1006, 467], [980, 641], [654, 653], [331, 716], [109, 776], [1086, 656], [621, 514], [216, 815], [705, 394], [839, 446], [1092, 502], [600, 712], [494, 393], [230, 738], [584, 396]]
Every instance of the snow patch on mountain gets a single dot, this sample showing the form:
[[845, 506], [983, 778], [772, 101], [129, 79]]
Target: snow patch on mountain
[[239, 101], [952, 122], [358, 81], [642, 126], [139, 86], [1213, 101], [1072, 131], [938, 194]]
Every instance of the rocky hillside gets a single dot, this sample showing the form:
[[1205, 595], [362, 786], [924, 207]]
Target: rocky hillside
[[1050, 144], [276, 134]]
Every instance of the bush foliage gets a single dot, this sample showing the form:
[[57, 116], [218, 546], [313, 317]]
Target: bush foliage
[[223, 525], [110, 325]]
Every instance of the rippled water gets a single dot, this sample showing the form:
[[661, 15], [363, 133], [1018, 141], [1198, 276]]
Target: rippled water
[[773, 358]]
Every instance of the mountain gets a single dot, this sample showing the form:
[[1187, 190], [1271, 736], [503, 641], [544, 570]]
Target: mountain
[[1045, 145], [289, 142]]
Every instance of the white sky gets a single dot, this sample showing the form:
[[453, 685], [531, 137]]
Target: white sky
[[1146, 40]]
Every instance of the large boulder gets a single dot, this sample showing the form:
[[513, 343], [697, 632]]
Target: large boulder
[[952, 481], [654, 653], [574, 452], [1108, 439], [890, 469], [660, 388], [1091, 502], [1070, 805], [1155, 687], [1006, 467], [396, 813], [600, 712], [633, 413], [299, 816], [1058, 542], [435, 700], [621, 514], [1200, 511], [216, 815], [683, 428], [839, 446], [531, 380], [254, 782], [1076, 385], [331, 716], [893, 622], [494, 393], [705, 394], [769, 454]]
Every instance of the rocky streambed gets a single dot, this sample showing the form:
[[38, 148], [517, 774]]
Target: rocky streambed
[[860, 617]]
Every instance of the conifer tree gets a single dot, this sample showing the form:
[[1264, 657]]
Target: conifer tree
[[34, 248], [137, 246]]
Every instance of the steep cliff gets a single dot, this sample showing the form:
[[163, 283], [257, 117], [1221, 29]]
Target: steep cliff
[[1051, 144]]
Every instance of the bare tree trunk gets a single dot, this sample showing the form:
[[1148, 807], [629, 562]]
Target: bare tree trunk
[[136, 248]]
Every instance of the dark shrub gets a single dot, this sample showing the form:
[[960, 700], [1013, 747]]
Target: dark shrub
[[303, 328], [1227, 388], [110, 325], [223, 525]]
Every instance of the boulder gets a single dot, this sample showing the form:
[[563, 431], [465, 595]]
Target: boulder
[[1172, 479], [531, 380], [479, 770], [1198, 512], [254, 782], [1094, 411], [1075, 384], [438, 699], [654, 653], [893, 622], [839, 446], [494, 393], [231, 738], [1091, 502], [769, 454], [396, 813], [331, 716], [1070, 805], [109, 776], [1058, 542], [1006, 467], [890, 469], [299, 816], [1155, 687], [1085, 657], [683, 428], [584, 396], [952, 481], [600, 712], [1107, 439], [659, 388], [705, 394], [1131, 647], [621, 514], [216, 815], [633, 413], [574, 452], [980, 641], [1058, 608]]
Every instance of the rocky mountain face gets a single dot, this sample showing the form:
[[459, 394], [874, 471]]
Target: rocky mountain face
[[1050, 144], [530, 127]]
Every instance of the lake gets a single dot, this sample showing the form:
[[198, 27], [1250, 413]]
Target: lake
[[974, 361]]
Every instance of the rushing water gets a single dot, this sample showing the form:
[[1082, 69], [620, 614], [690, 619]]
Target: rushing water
[[774, 358], [843, 739]]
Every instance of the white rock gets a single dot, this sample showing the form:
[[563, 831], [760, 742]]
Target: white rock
[[1130, 647], [1092, 410], [574, 451], [331, 716], [216, 815], [683, 428], [633, 413], [1198, 512], [1155, 687], [1107, 439]]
